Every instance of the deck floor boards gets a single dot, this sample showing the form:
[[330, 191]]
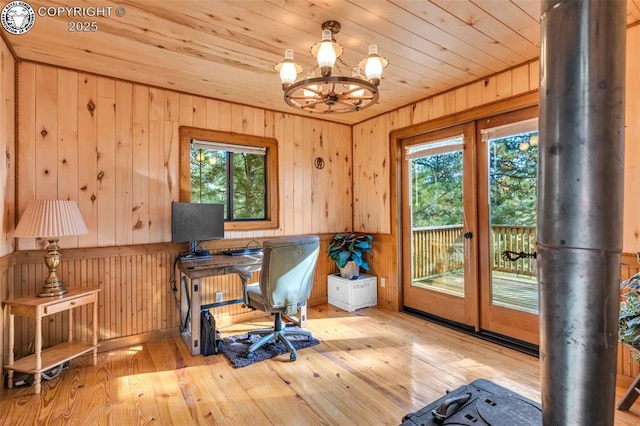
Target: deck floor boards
[[508, 290]]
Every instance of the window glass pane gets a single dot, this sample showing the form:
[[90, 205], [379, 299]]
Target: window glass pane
[[248, 186], [208, 176], [242, 191]]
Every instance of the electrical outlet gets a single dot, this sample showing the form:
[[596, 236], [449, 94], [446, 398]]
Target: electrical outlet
[[218, 296], [383, 282]]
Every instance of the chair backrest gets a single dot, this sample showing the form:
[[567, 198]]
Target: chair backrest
[[288, 266]]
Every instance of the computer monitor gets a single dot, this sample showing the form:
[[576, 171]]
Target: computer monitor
[[195, 222]]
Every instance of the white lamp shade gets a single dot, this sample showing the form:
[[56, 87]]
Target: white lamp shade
[[288, 69], [51, 218]]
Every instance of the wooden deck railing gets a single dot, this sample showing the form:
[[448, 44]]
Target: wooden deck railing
[[439, 250]]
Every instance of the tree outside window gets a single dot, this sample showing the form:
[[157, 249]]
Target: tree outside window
[[233, 178]]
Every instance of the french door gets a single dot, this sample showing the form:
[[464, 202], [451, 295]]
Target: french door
[[469, 224], [507, 195], [439, 213]]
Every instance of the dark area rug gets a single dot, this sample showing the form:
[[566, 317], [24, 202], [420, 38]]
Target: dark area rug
[[235, 348]]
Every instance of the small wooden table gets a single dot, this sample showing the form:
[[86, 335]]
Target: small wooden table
[[38, 308]]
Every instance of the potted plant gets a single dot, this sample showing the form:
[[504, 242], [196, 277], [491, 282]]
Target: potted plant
[[629, 318], [347, 250]]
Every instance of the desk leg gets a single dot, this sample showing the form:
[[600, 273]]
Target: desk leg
[[11, 348], [196, 300], [184, 285], [301, 319]]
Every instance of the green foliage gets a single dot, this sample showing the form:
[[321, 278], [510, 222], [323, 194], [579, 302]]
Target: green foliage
[[513, 181], [211, 181], [629, 317], [350, 246], [248, 186], [437, 185], [437, 190]]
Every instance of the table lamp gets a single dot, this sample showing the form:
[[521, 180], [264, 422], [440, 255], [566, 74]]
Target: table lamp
[[50, 219]]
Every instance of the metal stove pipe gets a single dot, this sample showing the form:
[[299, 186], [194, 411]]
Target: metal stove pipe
[[580, 207]]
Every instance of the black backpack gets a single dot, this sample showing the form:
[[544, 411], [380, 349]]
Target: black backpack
[[210, 341]]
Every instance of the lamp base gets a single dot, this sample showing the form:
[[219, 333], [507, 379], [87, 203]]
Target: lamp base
[[52, 292], [52, 286]]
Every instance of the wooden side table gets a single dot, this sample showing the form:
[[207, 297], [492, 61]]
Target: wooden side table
[[38, 308]]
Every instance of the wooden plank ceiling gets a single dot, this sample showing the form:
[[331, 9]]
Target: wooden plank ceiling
[[226, 49]]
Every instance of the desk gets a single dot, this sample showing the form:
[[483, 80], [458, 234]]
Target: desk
[[191, 271], [191, 301]]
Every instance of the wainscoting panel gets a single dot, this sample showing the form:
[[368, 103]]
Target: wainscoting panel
[[139, 291]]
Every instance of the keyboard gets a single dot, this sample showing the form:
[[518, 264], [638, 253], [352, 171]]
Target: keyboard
[[243, 251]]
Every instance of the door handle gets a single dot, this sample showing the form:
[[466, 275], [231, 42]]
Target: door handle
[[468, 235], [514, 255]]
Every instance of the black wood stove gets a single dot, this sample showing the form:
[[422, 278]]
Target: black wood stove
[[479, 403]]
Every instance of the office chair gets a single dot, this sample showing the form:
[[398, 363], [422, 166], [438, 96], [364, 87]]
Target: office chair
[[286, 279]]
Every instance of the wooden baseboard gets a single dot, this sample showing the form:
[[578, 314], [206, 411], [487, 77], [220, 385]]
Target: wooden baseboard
[[138, 339]]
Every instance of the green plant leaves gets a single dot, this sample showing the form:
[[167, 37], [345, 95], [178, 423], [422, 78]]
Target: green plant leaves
[[350, 246]]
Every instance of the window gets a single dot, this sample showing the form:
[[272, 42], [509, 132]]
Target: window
[[238, 171]]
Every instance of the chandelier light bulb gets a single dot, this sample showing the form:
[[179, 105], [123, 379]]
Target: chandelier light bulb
[[373, 65], [326, 54], [288, 69], [358, 92]]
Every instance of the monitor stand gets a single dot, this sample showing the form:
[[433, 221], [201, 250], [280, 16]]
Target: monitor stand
[[194, 253]]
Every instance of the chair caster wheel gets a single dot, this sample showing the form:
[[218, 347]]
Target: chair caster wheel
[[292, 357], [220, 345], [250, 355], [309, 338]]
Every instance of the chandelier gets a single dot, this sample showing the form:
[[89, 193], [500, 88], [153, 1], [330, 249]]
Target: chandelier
[[332, 92]]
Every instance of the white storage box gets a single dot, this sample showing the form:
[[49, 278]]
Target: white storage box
[[352, 294]]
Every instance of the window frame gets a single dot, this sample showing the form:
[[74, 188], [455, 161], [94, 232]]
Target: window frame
[[232, 138]]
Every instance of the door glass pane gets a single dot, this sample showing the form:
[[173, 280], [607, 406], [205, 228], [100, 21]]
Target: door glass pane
[[513, 179], [436, 182]]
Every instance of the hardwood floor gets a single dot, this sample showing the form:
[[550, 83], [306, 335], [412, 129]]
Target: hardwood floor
[[372, 367]]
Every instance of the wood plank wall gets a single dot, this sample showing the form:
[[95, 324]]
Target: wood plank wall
[[631, 224], [7, 145], [113, 146], [7, 173]]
